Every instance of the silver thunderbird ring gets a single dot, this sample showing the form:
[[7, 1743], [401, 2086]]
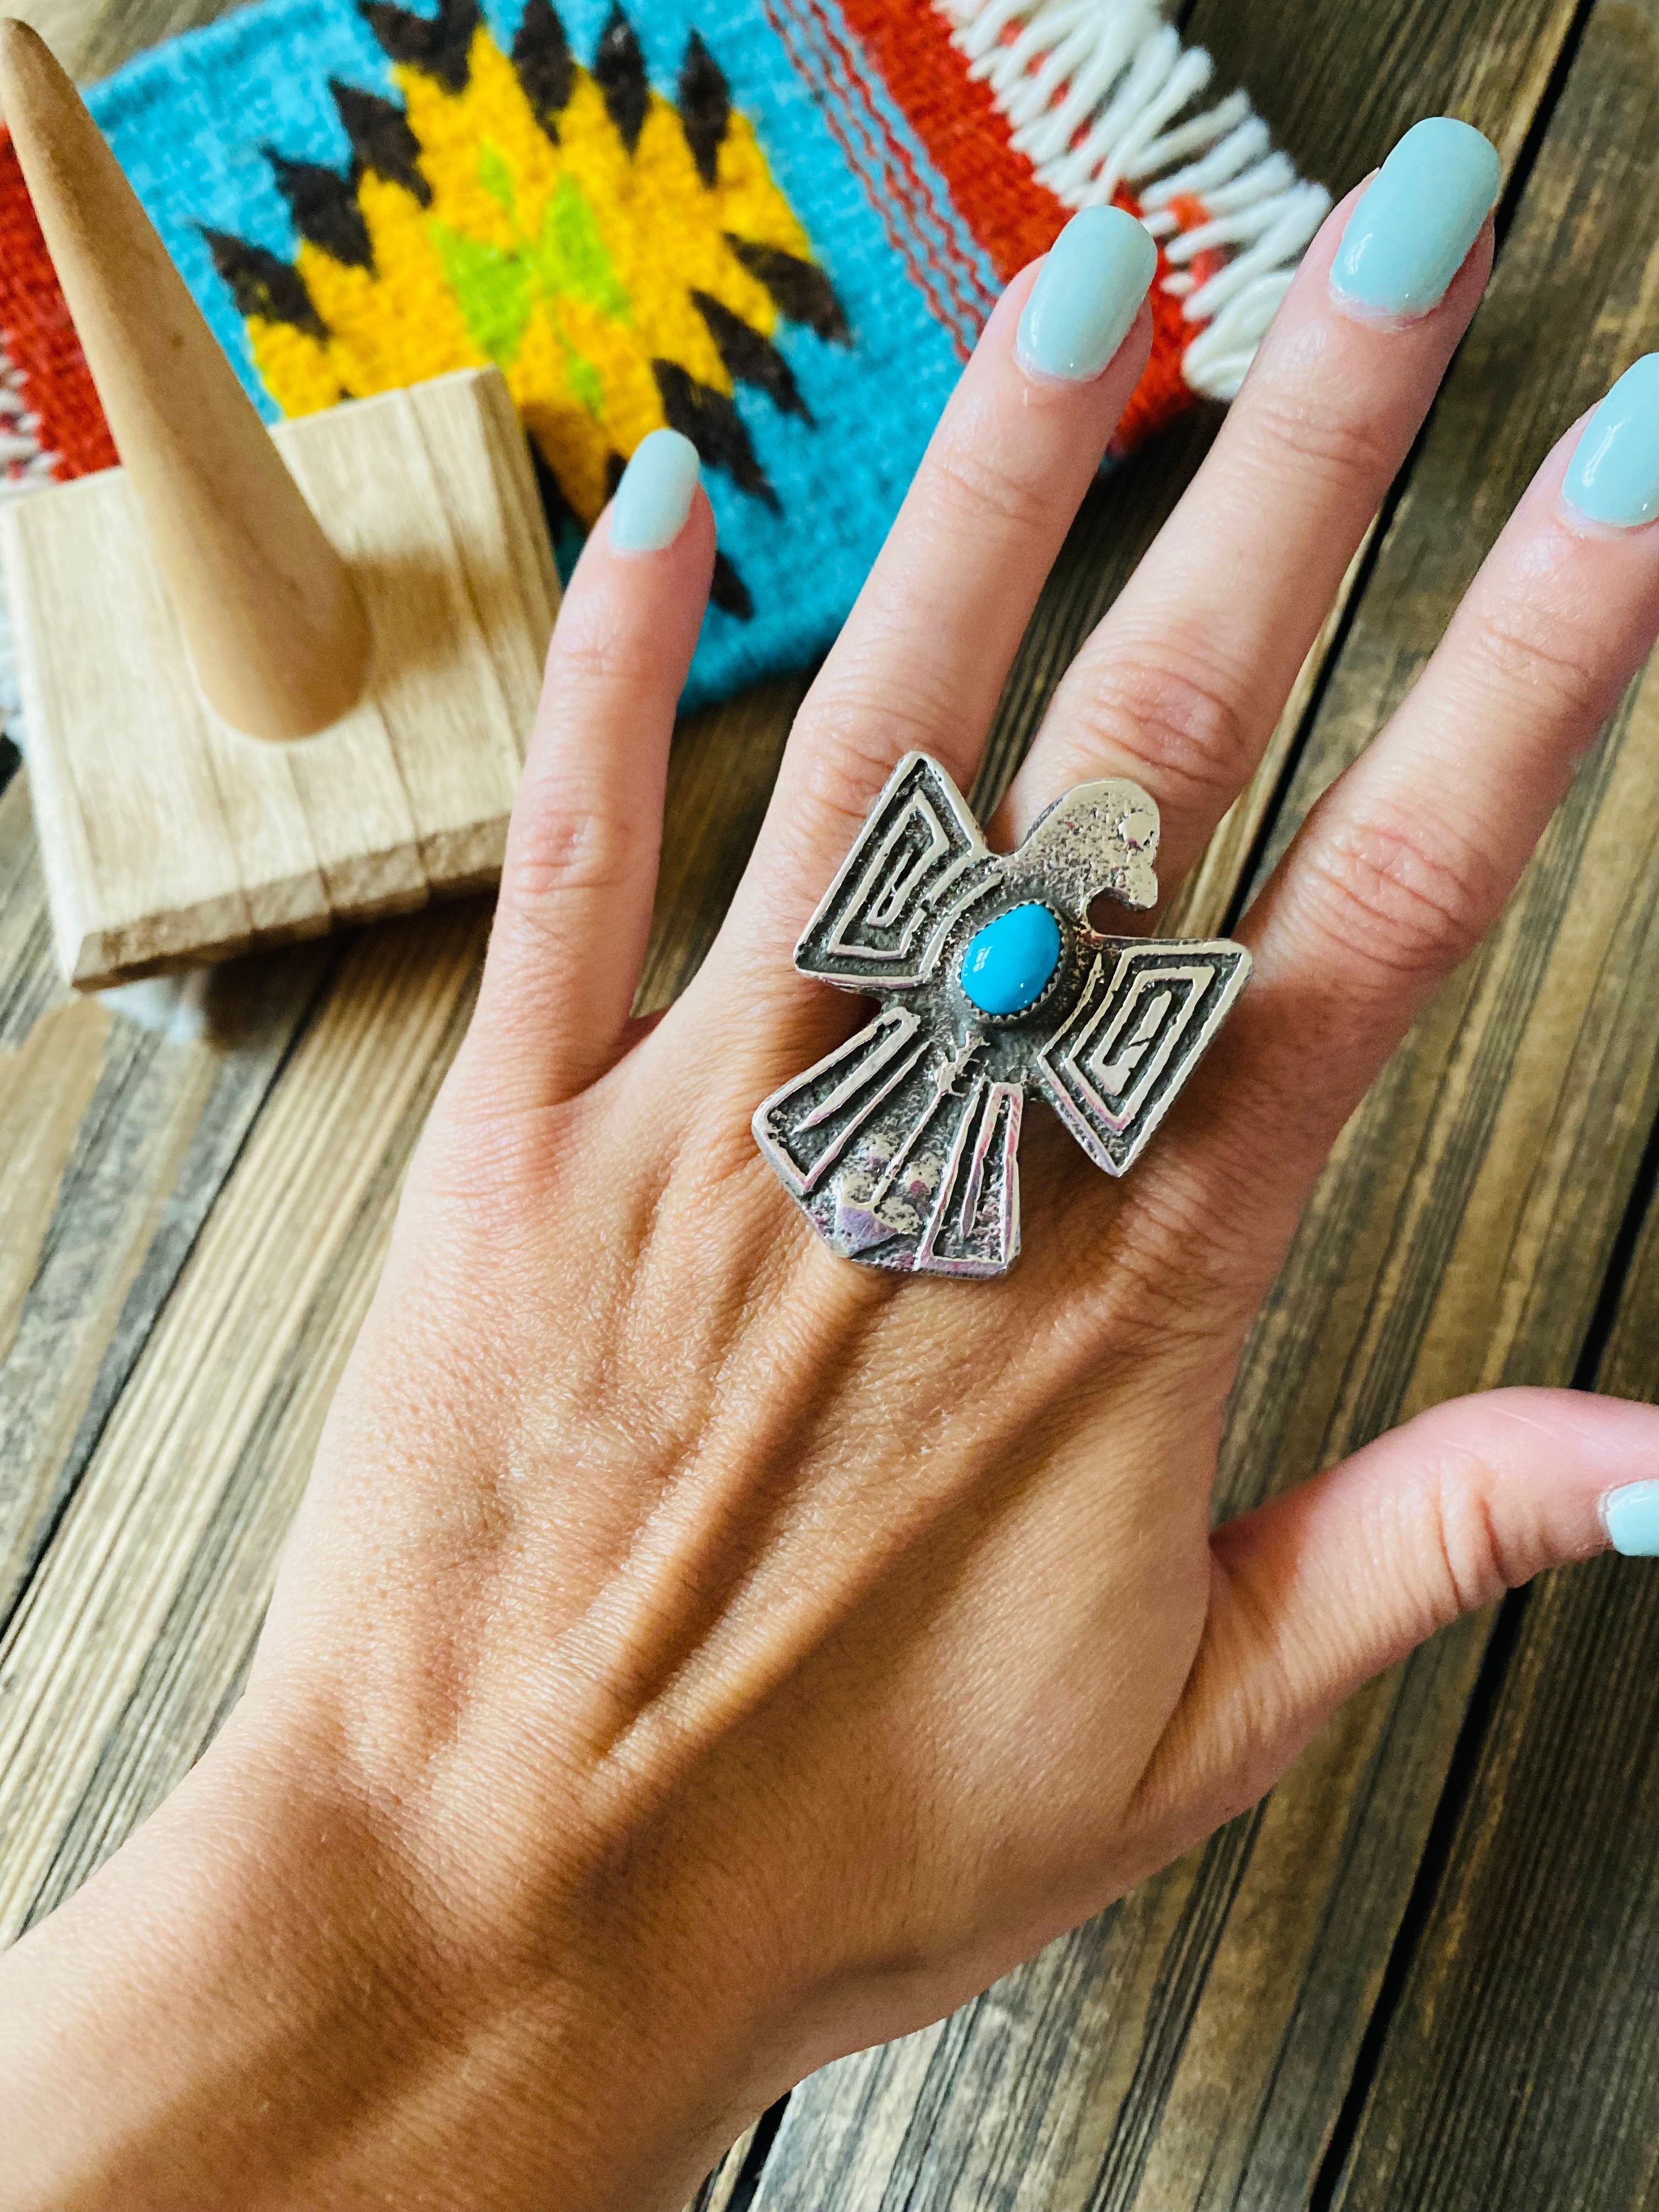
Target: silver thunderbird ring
[[903, 1146]]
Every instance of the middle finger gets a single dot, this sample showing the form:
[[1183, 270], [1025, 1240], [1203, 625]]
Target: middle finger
[[922, 657], [1182, 684]]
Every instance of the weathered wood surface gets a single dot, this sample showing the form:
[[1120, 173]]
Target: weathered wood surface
[[1195, 2047], [192, 1223], [1516, 2056], [1520, 2064], [118, 1140]]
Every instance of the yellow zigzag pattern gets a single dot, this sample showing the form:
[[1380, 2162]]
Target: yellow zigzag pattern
[[605, 248]]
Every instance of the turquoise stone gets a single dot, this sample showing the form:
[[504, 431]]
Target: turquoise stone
[[1012, 960]]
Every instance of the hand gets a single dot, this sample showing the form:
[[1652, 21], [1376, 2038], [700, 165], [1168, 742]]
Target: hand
[[698, 1656]]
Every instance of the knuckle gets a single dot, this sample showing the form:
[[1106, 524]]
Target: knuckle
[[1154, 1275], [1316, 429], [1527, 650], [1478, 1531], [973, 482], [1177, 716], [854, 727], [488, 1167], [1397, 898], [848, 763], [593, 651], [567, 847], [1473, 1562]]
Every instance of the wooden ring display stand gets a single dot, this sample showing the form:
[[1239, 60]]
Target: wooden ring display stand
[[271, 681]]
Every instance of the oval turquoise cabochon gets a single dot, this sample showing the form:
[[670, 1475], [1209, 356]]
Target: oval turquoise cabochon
[[1008, 964]]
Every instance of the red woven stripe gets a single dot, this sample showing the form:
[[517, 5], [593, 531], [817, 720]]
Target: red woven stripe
[[868, 158], [848, 60], [1013, 217], [40, 337]]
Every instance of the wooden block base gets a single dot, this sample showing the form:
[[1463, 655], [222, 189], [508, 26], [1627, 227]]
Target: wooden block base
[[168, 838]]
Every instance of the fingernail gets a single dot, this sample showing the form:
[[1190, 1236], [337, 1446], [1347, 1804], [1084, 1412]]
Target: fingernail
[[1614, 474], [1414, 223], [654, 497], [1087, 294], [1631, 1517]]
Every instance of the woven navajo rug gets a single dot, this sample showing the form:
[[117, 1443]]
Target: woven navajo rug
[[777, 225]]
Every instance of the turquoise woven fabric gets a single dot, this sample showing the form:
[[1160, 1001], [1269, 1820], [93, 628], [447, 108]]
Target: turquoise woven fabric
[[214, 129]]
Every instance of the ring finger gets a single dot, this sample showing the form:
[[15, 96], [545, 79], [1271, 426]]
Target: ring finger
[[1404, 863]]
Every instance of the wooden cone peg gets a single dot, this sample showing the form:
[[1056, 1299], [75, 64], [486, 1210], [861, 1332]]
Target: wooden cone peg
[[376, 580], [276, 630]]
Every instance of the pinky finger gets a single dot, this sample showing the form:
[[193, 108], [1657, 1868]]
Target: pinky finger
[[1405, 861], [1318, 1591], [582, 850]]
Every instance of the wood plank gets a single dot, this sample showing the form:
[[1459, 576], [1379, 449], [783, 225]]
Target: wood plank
[[1521, 2061], [1193, 2047], [1337, 86], [119, 1136], [1523, 2057], [717, 2193]]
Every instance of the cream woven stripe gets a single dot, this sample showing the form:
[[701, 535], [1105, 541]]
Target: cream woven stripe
[[1102, 93]]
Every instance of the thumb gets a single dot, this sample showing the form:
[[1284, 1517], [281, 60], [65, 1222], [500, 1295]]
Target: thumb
[[1318, 1590]]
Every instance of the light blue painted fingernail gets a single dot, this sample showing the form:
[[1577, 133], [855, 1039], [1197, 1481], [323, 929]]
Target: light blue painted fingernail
[[1614, 474], [1415, 221], [654, 497], [1087, 294], [1631, 1516]]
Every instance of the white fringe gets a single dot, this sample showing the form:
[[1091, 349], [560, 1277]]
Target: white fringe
[[24, 467], [1095, 92], [172, 1006]]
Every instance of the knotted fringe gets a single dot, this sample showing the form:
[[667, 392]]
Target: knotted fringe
[[1101, 94]]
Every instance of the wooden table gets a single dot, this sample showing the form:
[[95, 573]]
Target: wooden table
[[1425, 1973]]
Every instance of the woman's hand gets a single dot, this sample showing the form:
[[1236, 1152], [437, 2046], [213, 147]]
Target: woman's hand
[[697, 1655]]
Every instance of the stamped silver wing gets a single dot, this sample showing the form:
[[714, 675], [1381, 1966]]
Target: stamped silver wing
[[902, 1154], [1112, 1070], [917, 855]]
